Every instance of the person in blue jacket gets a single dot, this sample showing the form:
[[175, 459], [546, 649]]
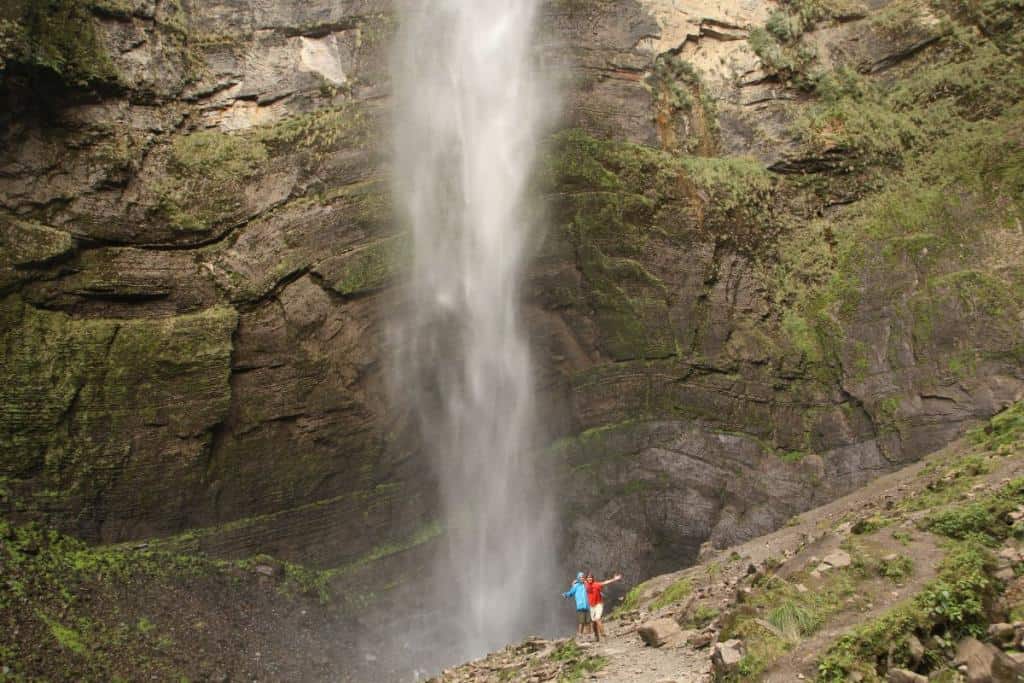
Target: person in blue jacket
[[578, 592]]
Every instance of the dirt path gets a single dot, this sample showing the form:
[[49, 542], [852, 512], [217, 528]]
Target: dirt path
[[631, 660]]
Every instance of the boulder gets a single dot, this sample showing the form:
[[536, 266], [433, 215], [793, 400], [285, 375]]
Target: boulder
[[658, 632], [700, 640], [985, 663], [905, 676], [727, 655], [835, 560], [1018, 635], [1005, 574], [1001, 632], [915, 649]]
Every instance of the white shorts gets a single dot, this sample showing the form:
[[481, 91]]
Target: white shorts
[[596, 611]]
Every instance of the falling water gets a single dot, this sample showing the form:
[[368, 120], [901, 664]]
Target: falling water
[[470, 108]]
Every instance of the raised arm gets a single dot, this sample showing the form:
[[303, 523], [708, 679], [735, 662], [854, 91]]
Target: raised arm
[[617, 577]]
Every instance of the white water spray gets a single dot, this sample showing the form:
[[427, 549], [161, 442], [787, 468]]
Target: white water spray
[[470, 109]]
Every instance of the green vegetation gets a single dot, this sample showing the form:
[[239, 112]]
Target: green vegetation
[[789, 61], [208, 170], [896, 568], [320, 132], [576, 663], [677, 89], [985, 520], [867, 525], [54, 587], [953, 603], [372, 266], [105, 366], [90, 611], [778, 42], [702, 616], [917, 219], [955, 479], [56, 36], [1004, 432], [778, 615], [630, 602], [677, 591], [616, 206]]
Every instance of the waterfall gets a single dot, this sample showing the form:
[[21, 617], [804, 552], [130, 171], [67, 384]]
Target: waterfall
[[470, 107]]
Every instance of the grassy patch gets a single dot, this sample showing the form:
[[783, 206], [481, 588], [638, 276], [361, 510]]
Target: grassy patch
[[951, 482], [702, 616], [952, 604], [778, 615], [897, 568], [867, 525], [679, 590], [985, 519], [1003, 432], [576, 663]]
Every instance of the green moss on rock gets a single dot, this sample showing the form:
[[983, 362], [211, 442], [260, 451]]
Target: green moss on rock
[[60, 37], [207, 171], [84, 403], [368, 268]]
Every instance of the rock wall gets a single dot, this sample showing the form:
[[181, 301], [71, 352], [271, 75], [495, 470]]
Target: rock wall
[[784, 256], [196, 236]]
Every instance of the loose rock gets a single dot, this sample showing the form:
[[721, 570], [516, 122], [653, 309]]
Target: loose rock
[[1001, 633], [984, 663], [727, 655], [905, 676], [659, 632], [915, 649], [835, 560]]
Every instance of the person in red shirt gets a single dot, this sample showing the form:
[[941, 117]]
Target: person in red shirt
[[596, 601]]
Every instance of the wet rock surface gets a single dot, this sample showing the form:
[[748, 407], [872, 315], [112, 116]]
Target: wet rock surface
[[197, 257]]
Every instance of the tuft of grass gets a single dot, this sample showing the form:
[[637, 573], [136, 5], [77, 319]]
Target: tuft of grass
[[630, 602], [795, 618], [897, 569]]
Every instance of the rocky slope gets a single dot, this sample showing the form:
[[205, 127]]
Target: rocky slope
[[784, 257], [915, 577]]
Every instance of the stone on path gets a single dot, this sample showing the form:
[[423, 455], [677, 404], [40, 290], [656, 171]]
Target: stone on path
[[1001, 633], [659, 632], [700, 640], [905, 676], [836, 559], [726, 656]]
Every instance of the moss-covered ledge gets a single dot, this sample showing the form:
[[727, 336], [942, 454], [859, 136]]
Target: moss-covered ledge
[[112, 414]]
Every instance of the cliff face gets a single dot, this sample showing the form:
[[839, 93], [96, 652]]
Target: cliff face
[[784, 256], [196, 234]]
